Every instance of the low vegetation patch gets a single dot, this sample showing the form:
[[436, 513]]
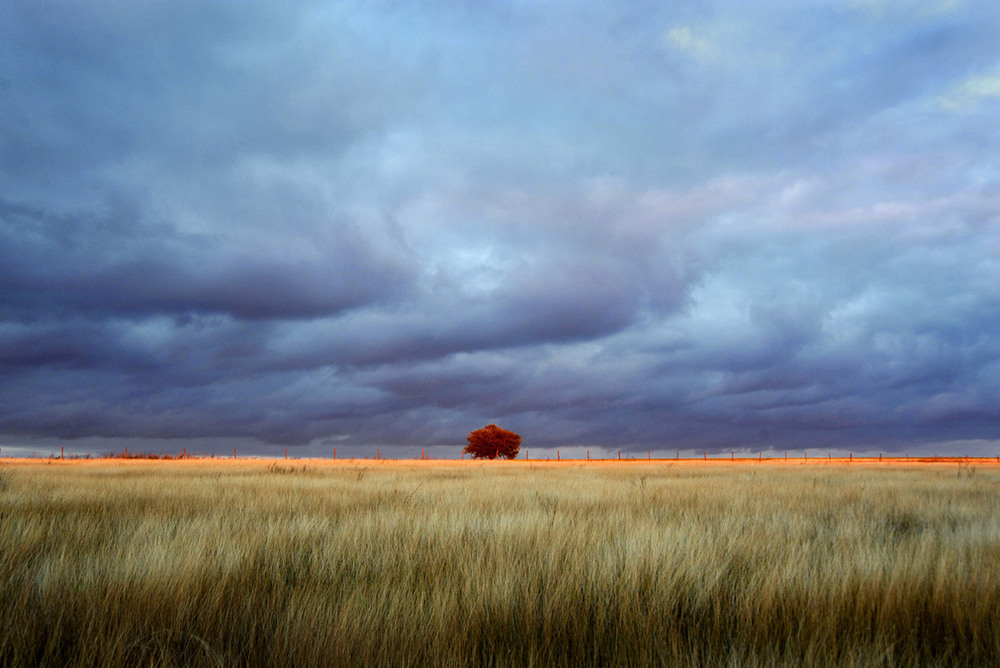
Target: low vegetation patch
[[498, 563]]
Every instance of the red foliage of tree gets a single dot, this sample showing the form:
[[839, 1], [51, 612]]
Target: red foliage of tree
[[491, 442]]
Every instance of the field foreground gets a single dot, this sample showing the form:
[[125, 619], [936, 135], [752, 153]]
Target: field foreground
[[211, 562]]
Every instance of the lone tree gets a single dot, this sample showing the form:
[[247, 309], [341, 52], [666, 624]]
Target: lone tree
[[491, 442]]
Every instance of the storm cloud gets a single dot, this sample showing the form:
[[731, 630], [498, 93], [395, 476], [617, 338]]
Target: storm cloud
[[704, 226]]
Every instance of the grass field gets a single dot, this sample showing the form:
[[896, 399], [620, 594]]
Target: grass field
[[209, 562]]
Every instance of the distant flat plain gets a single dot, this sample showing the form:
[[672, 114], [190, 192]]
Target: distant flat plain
[[381, 562]]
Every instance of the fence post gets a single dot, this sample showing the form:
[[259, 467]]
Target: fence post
[[588, 455], [557, 456], [760, 455], [706, 455], [619, 455], [378, 453], [335, 453], [234, 453], [62, 452], [286, 453], [850, 457]]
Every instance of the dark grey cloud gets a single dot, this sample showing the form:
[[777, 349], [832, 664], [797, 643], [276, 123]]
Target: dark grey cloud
[[708, 227], [116, 264]]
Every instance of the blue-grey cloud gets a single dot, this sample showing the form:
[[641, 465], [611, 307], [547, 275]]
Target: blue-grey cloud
[[117, 264], [717, 226]]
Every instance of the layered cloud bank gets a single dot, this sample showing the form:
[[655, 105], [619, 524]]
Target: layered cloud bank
[[709, 226]]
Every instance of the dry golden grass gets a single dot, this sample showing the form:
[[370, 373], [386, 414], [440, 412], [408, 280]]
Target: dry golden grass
[[202, 562]]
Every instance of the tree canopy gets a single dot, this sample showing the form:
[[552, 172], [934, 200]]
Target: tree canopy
[[492, 442]]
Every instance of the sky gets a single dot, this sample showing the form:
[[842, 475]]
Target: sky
[[640, 226]]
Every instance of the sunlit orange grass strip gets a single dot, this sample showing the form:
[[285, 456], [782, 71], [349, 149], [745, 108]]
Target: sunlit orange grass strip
[[711, 461]]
